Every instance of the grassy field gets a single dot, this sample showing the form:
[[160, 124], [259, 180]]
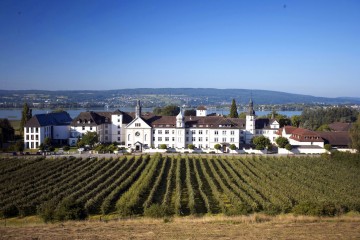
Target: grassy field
[[255, 226]]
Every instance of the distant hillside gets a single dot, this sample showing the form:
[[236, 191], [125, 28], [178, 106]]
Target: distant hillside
[[163, 96]]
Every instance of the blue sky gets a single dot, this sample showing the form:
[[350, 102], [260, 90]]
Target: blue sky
[[306, 47]]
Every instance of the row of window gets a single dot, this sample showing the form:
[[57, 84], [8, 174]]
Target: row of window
[[28, 137], [193, 139], [32, 130], [193, 132]]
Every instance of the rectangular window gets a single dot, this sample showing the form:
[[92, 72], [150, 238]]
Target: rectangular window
[[32, 137], [200, 131], [192, 131], [193, 139], [232, 132], [106, 131], [106, 138], [216, 139], [187, 139], [90, 128], [231, 139], [118, 132], [118, 126], [118, 119], [118, 139], [137, 124], [27, 137], [37, 137], [224, 132], [166, 139], [166, 131], [200, 139], [83, 127], [216, 132], [32, 130], [159, 131], [173, 131], [206, 139], [187, 132], [37, 130], [159, 138], [173, 139], [224, 139]]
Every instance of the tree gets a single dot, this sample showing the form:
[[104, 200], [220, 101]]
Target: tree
[[295, 120], [288, 147], [233, 110], [70, 209], [217, 146], [328, 147], [170, 110], [242, 115], [232, 147], [324, 128], [281, 141], [261, 142], [191, 146], [162, 146], [89, 138], [26, 114], [190, 112], [355, 135], [6, 131]]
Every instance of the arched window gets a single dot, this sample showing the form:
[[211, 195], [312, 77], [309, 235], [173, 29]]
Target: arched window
[[128, 137], [145, 137]]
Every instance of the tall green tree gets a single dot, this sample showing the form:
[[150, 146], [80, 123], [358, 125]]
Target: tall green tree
[[295, 120], [355, 134], [261, 142], [89, 138], [233, 110], [26, 114], [170, 110], [6, 131]]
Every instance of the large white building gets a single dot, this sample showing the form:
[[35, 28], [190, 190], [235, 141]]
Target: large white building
[[144, 130], [51, 125]]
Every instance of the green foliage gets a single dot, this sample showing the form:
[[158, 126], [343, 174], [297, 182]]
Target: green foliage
[[170, 110], [89, 138], [217, 146], [288, 147], [232, 147], [155, 211], [295, 120], [233, 110], [328, 147], [162, 146], [313, 118], [26, 114], [66, 148], [324, 128], [282, 119], [355, 135], [7, 132], [159, 186], [242, 115], [281, 142], [261, 142], [319, 209], [70, 209], [191, 146]]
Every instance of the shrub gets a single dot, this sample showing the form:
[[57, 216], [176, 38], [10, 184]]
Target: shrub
[[10, 211], [288, 147], [70, 209], [191, 146], [281, 142], [217, 146], [232, 147], [155, 211], [47, 211], [328, 147], [162, 146], [66, 148], [307, 208]]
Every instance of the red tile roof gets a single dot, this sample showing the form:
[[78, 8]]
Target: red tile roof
[[305, 135]]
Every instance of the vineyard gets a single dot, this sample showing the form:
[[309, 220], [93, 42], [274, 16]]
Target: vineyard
[[181, 185]]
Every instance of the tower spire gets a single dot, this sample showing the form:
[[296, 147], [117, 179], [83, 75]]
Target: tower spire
[[138, 109]]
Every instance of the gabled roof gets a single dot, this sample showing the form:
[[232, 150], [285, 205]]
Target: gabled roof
[[49, 119], [336, 139], [91, 118], [340, 126], [287, 129], [305, 135]]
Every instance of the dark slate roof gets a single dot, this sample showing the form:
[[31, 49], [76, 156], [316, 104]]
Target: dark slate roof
[[49, 119], [336, 139], [91, 118]]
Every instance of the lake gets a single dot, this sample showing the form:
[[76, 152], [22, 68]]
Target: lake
[[15, 114]]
